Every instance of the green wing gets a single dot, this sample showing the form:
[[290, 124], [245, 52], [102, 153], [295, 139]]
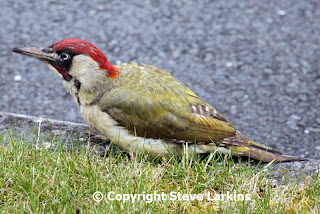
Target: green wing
[[153, 104]]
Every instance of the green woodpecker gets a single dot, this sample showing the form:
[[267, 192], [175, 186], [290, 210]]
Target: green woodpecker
[[143, 108]]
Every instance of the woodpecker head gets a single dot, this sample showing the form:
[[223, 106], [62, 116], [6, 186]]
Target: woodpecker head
[[73, 58]]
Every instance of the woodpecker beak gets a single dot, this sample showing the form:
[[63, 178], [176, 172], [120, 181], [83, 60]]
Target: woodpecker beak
[[47, 55], [43, 54]]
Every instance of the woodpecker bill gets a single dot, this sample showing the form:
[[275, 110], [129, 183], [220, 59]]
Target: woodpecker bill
[[142, 107]]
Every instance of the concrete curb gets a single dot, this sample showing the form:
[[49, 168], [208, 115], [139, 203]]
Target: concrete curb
[[48, 132]]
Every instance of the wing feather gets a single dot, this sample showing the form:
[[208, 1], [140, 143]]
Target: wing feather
[[155, 105]]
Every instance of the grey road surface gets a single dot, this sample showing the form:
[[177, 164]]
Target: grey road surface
[[257, 62]]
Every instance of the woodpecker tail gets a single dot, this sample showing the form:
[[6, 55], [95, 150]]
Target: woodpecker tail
[[243, 146]]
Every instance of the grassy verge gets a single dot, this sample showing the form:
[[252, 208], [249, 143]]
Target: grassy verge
[[38, 180]]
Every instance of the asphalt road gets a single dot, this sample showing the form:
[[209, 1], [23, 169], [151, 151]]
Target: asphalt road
[[257, 62]]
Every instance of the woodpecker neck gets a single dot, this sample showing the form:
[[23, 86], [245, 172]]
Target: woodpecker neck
[[112, 71], [88, 72], [89, 80]]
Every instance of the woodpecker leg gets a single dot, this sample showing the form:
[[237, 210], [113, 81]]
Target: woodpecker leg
[[94, 136]]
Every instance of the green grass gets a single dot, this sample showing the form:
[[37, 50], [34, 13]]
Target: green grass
[[38, 180]]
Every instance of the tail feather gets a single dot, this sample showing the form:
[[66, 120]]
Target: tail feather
[[243, 146]]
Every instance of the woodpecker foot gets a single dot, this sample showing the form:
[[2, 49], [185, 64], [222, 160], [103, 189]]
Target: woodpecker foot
[[95, 137]]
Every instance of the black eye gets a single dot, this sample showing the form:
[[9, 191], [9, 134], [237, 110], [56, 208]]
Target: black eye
[[64, 56]]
